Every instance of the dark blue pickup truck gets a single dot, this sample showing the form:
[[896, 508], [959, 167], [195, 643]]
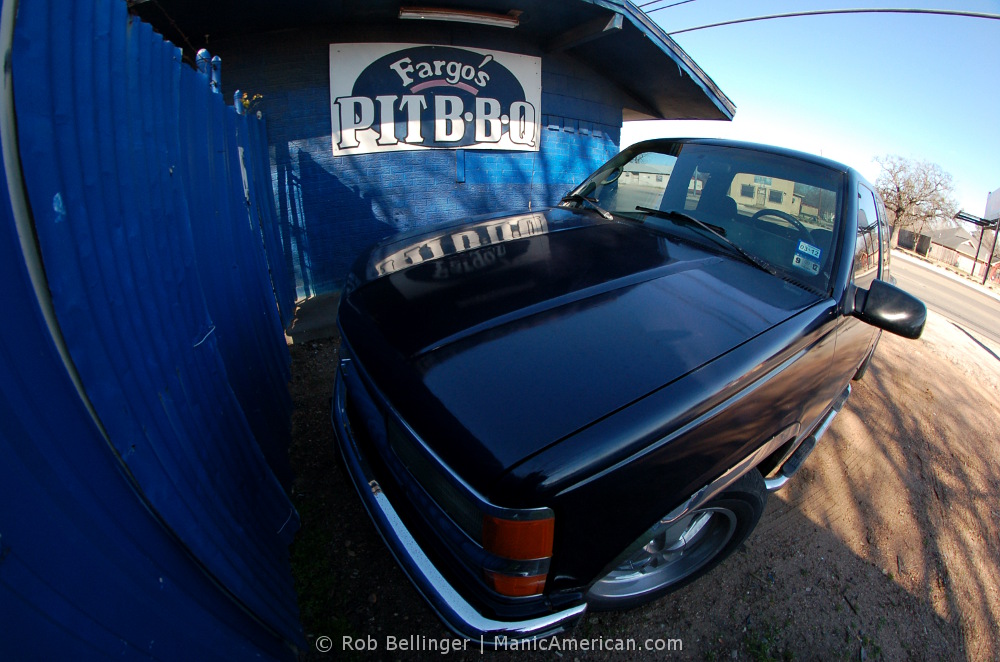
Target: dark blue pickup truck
[[586, 406]]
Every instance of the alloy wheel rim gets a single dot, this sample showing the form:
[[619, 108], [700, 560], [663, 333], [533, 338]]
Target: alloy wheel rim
[[673, 552]]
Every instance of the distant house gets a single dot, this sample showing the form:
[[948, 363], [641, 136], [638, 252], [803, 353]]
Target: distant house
[[755, 192], [647, 173], [955, 246], [951, 244]]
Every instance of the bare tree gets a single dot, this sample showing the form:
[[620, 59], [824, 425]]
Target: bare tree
[[916, 193]]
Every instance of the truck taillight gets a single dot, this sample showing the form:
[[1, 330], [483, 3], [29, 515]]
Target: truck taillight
[[521, 540], [526, 546], [515, 586]]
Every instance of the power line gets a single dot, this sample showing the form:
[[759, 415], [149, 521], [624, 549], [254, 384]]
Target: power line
[[825, 12], [646, 4]]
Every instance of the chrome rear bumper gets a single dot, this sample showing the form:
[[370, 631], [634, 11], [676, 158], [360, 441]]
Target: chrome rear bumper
[[454, 610]]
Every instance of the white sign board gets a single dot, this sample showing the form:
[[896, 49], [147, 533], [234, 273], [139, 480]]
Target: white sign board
[[993, 206], [392, 97]]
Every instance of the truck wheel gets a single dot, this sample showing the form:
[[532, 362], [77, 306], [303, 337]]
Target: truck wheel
[[668, 557]]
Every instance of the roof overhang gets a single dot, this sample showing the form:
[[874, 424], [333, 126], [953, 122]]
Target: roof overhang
[[612, 37]]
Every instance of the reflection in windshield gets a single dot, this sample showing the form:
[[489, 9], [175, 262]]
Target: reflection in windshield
[[779, 209]]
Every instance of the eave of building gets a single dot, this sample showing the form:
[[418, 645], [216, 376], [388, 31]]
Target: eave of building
[[612, 37]]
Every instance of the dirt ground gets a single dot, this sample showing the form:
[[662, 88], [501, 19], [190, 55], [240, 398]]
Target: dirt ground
[[886, 545]]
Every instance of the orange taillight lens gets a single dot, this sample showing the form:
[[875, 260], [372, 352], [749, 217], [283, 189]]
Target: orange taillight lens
[[515, 586], [525, 547], [520, 540]]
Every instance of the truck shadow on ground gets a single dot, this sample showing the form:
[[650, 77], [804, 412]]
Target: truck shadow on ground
[[915, 453], [884, 545]]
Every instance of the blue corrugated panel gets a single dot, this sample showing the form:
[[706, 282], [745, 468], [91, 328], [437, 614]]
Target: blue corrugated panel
[[281, 278], [99, 100], [232, 263], [85, 571]]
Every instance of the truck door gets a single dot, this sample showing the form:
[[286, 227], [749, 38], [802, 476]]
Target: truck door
[[855, 339]]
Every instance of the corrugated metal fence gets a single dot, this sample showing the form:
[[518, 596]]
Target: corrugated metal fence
[[144, 411]]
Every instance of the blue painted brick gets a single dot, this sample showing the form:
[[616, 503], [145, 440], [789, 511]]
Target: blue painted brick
[[332, 208]]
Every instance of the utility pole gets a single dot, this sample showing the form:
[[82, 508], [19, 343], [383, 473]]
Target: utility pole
[[979, 246], [989, 260]]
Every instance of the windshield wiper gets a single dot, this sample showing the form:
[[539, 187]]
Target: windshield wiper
[[714, 231], [576, 197]]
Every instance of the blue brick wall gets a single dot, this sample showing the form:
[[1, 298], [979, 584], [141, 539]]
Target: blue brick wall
[[333, 208]]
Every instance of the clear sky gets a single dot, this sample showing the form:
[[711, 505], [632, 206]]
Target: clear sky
[[852, 87]]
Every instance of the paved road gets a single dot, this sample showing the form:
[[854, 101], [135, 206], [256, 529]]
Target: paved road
[[963, 304]]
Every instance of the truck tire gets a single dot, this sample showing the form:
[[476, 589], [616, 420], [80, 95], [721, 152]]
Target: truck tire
[[669, 557]]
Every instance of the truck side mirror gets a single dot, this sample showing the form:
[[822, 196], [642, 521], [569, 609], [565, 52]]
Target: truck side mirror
[[889, 308]]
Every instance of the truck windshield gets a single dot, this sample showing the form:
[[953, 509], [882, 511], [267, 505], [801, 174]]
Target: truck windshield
[[779, 209]]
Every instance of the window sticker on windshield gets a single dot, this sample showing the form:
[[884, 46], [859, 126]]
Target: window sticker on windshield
[[810, 250], [807, 258], [804, 263]]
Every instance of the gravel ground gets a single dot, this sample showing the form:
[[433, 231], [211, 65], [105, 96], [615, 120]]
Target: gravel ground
[[884, 546]]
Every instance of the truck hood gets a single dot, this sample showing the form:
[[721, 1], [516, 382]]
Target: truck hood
[[523, 330]]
